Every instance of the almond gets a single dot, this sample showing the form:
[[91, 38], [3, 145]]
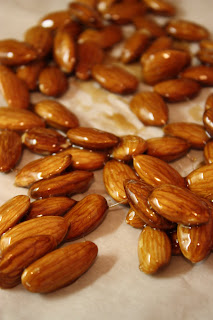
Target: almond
[[56, 114], [186, 30], [205, 56], [160, 7], [56, 19], [74, 28], [150, 108], [154, 250], [12, 211], [208, 120], [148, 26], [167, 148], [70, 183], [92, 138], [194, 133], [177, 90], [50, 226], [20, 255], [206, 45], [174, 242], [104, 5], [85, 216], [160, 43], [156, 172], [209, 101], [85, 14], [45, 274], [91, 3], [208, 152], [29, 73], [179, 205], [13, 89], [19, 119], [42, 168], [202, 74], [54, 206], [114, 175], [10, 150], [133, 47], [52, 82], [115, 79], [134, 220]]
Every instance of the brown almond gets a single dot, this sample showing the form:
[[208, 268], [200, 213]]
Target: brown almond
[[206, 45], [167, 148], [148, 26], [50, 226], [160, 43], [52, 82], [19, 119], [124, 12], [160, 7], [162, 65], [12, 211], [13, 89], [44, 140], [134, 220], [179, 205], [20, 255], [85, 216], [205, 56], [44, 275], [209, 101], [177, 90], [92, 138], [154, 250], [85, 14], [29, 73], [56, 114], [202, 74], [56, 19], [42, 168], [115, 79], [156, 172], [133, 47], [114, 175], [103, 5], [66, 184], [10, 150], [194, 133], [208, 152], [208, 120], [150, 108], [186, 30], [14, 52], [91, 3], [74, 28], [174, 242]]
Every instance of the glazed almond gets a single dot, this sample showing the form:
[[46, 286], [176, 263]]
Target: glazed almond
[[85, 216], [205, 56], [179, 205], [208, 152], [85, 14], [148, 26], [160, 43], [150, 108], [154, 250], [115, 79], [29, 73], [52, 81], [134, 220], [160, 7], [174, 242], [92, 138], [208, 120], [209, 101], [156, 172], [41, 39], [66, 184], [10, 150], [202, 74], [133, 47], [45, 274], [56, 19]]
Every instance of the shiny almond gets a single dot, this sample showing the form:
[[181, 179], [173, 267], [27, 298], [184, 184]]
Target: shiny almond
[[134, 220], [124, 12], [29, 73], [148, 26], [208, 120], [160, 43], [134, 47], [10, 150], [205, 56], [202, 74], [85, 14], [209, 101], [208, 152], [52, 81], [56, 19], [160, 7]]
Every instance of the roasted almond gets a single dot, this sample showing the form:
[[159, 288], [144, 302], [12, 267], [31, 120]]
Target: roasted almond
[[56, 114], [20, 255], [114, 78], [150, 108], [85, 216], [209, 101], [52, 81], [148, 26], [160, 7], [12, 211], [10, 150], [45, 274], [85, 14], [154, 250], [205, 56], [74, 28], [29, 73], [134, 46], [179, 205], [44, 140], [167, 148], [156, 172], [92, 138], [13, 89], [70, 183], [42, 168], [56, 19], [134, 220], [103, 5], [114, 175], [19, 119], [176, 90], [91, 3], [208, 152], [202, 74], [186, 30], [51, 226], [208, 120], [194, 133]]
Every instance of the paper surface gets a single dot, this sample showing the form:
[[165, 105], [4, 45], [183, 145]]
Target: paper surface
[[113, 288]]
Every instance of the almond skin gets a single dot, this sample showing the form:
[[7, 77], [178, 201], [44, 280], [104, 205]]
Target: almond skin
[[45, 274], [20, 255], [10, 150], [85, 216], [114, 175], [156, 172], [12, 211], [150, 108], [115, 79], [123, 13], [85, 14], [56, 19], [92, 138], [133, 47], [52, 82], [29, 73], [154, 250], [202, 74], [70, 183], [179, 205], [160, 7], [134, 220], [208, 152], [13, 89]]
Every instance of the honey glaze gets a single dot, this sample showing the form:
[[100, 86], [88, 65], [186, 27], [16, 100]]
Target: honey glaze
[[196, 112], [120, 121]]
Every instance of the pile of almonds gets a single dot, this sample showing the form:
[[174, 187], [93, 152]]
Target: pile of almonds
[[174, 212]]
